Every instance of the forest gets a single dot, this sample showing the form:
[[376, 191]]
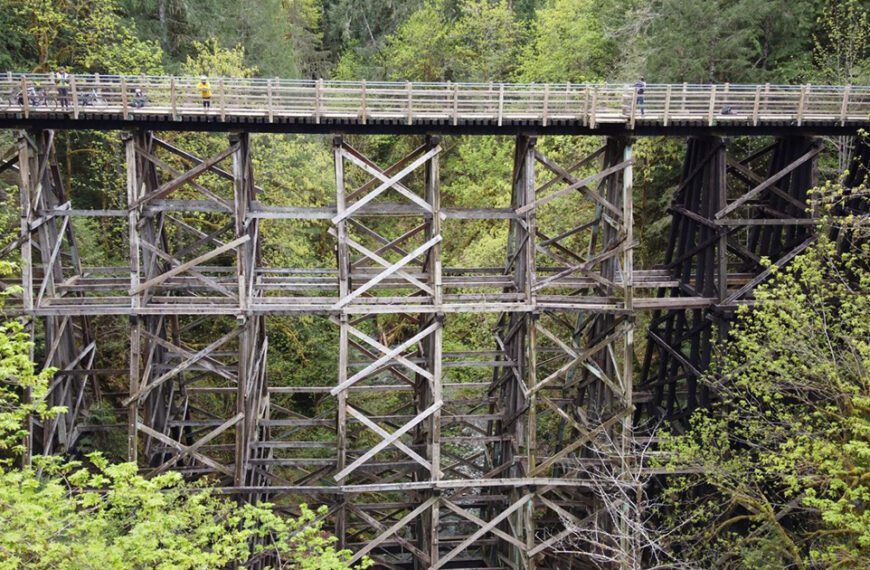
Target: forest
[[773, 474]]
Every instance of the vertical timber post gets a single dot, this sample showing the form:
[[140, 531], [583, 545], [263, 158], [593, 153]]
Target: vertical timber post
[[133, 185], [435, 340], [27, 168], [343, 260]]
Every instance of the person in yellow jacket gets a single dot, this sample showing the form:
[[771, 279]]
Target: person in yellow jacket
[[204, 88]]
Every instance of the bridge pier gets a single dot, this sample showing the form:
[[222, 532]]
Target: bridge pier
[[728, 215], [49, 260], [474, 416]]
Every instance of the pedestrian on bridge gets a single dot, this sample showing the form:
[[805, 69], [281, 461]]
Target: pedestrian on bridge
[[640, 88], [61, 80], [204, 88]]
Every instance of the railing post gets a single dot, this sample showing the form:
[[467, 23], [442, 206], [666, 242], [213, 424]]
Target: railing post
[[124, 108], [632, 108], [25, 97], [712, 110], [685, 95], [667, 105], [222, 95], [318, 93], [755, 105], [802, 104], [455, 104], [500, 103], [546, 104], [766, 107], [585, 114], [172, 98], [75, 96], [364, 103], [269, 99], [409, 102], [592, 110], [845, 107]]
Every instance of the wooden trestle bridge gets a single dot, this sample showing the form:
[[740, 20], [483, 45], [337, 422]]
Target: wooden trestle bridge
[[477, 462]]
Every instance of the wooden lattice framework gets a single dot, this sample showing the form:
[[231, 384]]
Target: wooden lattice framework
[[478, 472]]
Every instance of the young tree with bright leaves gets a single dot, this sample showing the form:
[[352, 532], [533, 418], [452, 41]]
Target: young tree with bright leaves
[[775, 475]]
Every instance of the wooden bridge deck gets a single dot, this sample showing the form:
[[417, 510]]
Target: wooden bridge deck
[[357, 106]]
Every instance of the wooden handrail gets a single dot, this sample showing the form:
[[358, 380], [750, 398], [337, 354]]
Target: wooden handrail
[[319, 101]]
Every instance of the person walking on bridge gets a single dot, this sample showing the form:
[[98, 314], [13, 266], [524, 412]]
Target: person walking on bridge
[[640, 88], [61, 80], [204, 88]]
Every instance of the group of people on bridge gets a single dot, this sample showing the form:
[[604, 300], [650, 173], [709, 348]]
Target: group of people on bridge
[[37, 95]]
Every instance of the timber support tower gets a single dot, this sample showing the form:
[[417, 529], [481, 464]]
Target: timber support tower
[[426, 456]]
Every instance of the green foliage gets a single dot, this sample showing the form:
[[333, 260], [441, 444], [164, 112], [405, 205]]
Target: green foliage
[[480, 45], [841, 43], [269, 30], [568, 44], [104, 516], [22, 387], [63, 520], [88, 36], [739, 41], [782, 460], [209, 58]]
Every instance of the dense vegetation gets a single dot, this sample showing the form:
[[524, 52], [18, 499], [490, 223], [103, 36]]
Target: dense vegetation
[[788, 486]]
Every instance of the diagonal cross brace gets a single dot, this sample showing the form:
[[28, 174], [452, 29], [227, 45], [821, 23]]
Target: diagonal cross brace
[[146, 389], [384, 434], [188, 176], [482, 530], [192, 263], [387, 357], [388, 441], [387, 272], [389, 183], [582, 185], [385, 349], [386, 264], [399, 525], [185, 450]]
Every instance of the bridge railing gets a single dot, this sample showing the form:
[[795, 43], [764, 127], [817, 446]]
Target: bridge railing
[[360, 101]]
